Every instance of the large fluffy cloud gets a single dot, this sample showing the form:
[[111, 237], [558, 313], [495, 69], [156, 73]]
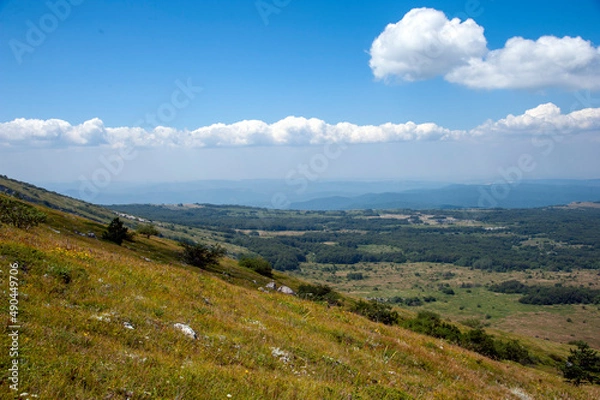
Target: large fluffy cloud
[[567, 62], [424, 44], [291, 131]]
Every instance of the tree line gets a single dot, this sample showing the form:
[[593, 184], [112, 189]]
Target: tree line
[[548, 295]]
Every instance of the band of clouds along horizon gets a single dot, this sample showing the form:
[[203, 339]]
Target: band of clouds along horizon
[[422, 45], [289, 131]]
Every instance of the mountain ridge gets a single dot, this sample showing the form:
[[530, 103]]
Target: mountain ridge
[[345, 194]]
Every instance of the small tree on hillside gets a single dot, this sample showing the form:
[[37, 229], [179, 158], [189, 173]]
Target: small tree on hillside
[[582, 365], [115, 232], [148, 230], [202, 256]]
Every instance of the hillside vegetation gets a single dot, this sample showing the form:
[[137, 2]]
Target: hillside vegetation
[[436, 260], [97, 322]]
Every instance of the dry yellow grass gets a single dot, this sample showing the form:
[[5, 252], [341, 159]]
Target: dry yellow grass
[[76, 296]]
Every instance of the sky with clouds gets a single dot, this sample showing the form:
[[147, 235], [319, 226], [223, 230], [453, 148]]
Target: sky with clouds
[[145, 91]]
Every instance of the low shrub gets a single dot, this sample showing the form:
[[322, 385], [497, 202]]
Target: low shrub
[[318, 293], [376, 311], [19, 214], [257, 264]]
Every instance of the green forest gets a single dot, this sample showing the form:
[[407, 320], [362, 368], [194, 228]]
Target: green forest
[[552, 238]]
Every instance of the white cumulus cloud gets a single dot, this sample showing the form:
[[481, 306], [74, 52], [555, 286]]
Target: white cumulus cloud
[[543, 119], [52, 131], [567, 62], [425, 44]]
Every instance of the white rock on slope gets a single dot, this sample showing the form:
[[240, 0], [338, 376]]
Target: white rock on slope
[[286, 290], [271, 285], [187, 331]]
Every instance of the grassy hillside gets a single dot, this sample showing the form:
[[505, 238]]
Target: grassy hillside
[[97, 322], [437, 260], [46, 198], [50, 199]]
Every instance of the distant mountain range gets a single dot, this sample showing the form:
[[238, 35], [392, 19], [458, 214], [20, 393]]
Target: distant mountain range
[[524, 195], [251, 192], [345, 195]]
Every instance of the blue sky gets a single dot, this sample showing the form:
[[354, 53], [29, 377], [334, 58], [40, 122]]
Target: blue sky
[[207, 89]]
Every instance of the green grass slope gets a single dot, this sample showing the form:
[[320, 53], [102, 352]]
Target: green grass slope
[[54, 200], [46, 198], [96, 321]]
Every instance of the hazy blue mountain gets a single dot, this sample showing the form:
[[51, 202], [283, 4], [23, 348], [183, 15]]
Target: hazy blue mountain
[[344, 195], [256, 192], [524, 195]]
